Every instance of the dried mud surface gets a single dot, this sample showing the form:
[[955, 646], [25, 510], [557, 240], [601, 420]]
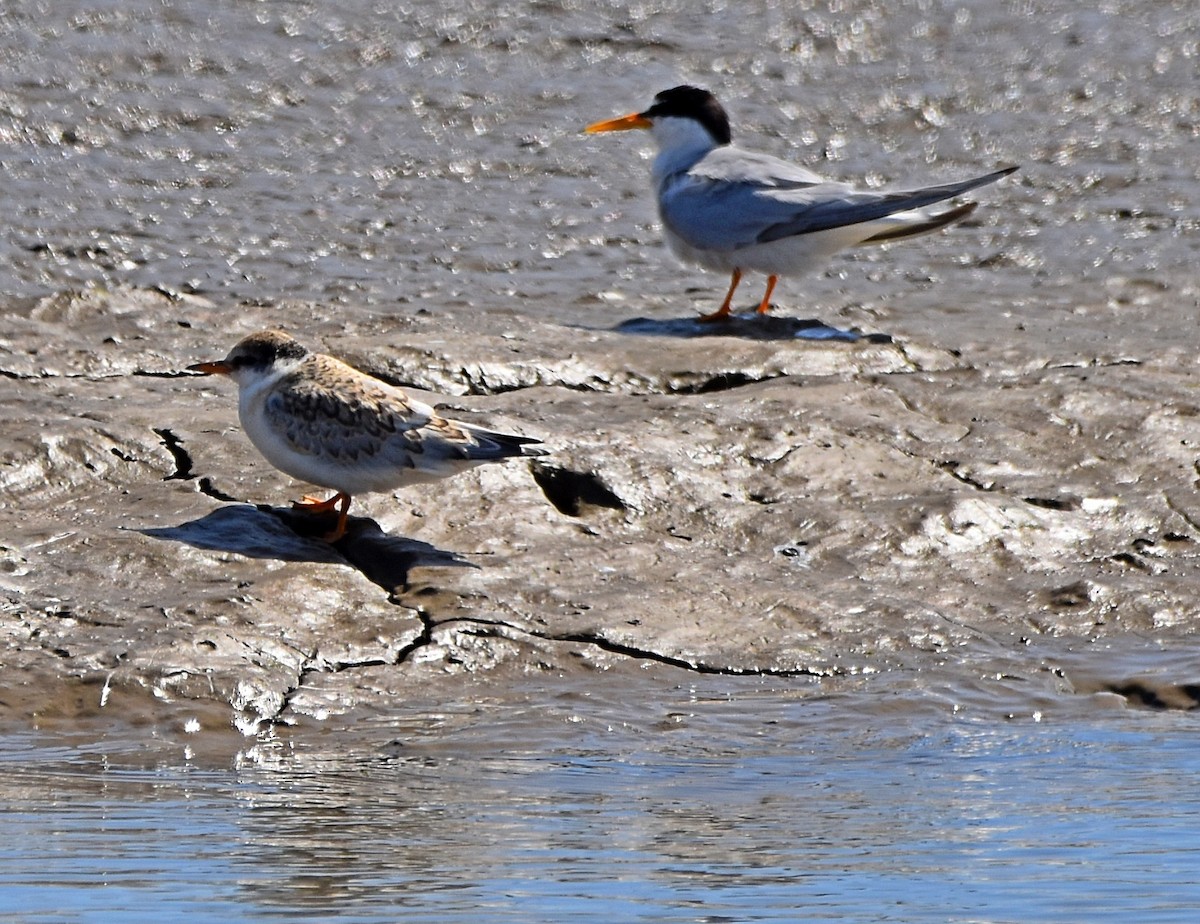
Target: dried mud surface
[[989, 498], [716, 504]]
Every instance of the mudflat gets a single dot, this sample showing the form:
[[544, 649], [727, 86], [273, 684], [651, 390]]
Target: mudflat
[[961, 461]]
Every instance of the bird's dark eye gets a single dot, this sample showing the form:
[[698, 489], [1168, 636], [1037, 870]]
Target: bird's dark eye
[[252, 359]]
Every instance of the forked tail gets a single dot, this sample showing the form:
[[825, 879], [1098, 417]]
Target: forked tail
[[931, 223]]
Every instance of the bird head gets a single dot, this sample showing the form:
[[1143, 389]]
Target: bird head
[[680, 116], [254, 356]]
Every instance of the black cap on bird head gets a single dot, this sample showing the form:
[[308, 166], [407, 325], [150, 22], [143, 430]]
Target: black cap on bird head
[[692, 103]]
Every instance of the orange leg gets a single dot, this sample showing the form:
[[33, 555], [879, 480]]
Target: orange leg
[[339, 502], [765, 305], [723, 312]]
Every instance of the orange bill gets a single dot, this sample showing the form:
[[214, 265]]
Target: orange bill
[[218, 368], [621, 124]]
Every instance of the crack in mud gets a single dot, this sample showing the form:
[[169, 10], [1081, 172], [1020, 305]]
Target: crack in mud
[[1094, 363], [913, 365], [1187, 518], [950, 467], [696, 667], [724, 381], [424, 638], [316, 664], [307, 668], [495, 628], [207, 488], [183, 459], [711, 383], [124, 456], [1054, 503], [40, 376], [485, 628], [164, 374], [184, 467], [478, 384]]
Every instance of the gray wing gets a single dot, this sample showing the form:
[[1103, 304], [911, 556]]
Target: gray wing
[[730, 197], [740, 199], [446, 445], [856, 207], [731, 164]]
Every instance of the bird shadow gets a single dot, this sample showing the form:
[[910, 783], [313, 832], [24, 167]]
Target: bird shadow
[[283, 534], [749, 326]]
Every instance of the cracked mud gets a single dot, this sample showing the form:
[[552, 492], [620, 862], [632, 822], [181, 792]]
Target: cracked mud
[[965, 465], [836, 510]]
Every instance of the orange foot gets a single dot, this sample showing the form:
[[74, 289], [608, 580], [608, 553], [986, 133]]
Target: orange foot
[[723, 313], [765, 305], [339, 502]]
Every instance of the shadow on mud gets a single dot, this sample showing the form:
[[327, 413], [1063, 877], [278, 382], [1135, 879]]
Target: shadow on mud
[[284, 535], [750, 326]]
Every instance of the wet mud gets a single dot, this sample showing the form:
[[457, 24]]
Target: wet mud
[[964, 461], [832, 510]]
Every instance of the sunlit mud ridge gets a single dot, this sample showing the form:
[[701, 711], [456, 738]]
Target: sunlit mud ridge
[[839, 510]]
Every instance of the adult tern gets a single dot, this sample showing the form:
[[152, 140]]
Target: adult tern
[[733, 210]]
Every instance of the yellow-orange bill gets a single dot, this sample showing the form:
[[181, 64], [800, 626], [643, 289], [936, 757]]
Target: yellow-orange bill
[[621, 124], [218, 368]]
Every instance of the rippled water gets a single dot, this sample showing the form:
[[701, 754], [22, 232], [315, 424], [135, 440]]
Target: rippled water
[[394, 157], [736, 804], [424, 154]]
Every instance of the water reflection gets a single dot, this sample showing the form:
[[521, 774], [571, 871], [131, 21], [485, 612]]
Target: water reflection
[[756, 805]]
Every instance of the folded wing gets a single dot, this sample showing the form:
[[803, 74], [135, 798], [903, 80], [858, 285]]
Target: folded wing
[[373, 421], [734, 199]]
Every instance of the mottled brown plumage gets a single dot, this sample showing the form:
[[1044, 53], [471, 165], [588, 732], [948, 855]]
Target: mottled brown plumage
[[320, 420]]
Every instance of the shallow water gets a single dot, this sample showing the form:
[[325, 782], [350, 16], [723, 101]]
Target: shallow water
[[740, 802], [392, 158]]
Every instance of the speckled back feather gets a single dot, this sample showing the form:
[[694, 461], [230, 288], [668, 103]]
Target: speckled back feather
[[325, 407]]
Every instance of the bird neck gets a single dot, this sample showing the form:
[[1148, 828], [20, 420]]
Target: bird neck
[[681, 143], [253, 381]]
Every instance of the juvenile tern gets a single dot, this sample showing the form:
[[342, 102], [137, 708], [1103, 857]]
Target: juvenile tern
[[321, 421], [732, 210]]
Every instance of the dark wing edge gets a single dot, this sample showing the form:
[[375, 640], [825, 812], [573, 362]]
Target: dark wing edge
[[490, 445], [933, 223], [873, 206]]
